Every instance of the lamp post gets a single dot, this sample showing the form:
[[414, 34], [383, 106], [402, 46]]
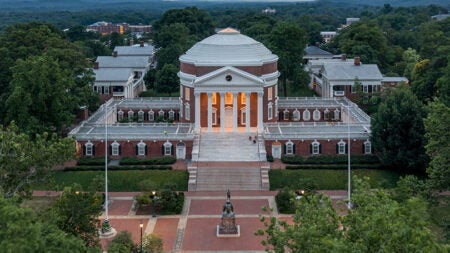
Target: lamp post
[[106, 225], [141, 225], [348, 158]]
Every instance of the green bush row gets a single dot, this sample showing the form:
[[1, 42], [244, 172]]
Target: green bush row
[[132, 167], [91, 160], [331, 159], [151, 161], [334, 166]]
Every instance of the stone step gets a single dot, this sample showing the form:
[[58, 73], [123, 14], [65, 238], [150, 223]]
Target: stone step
[[235, 178]]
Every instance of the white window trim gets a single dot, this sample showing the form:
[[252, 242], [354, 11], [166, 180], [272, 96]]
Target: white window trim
[[130, 114], [306, 115], [167, 148], [270, 111], [151, 115], [141, 148], [296, 115], [120, 115], [187, 95], [89, 148], [316, 115], [161, 113], [315, 148], [326, 114], [141, 116], [115, 148], [187, 112], [289, 148], [243, 116], [367, 147], [286, 115], [341, 147], [171, 114], [336, 114]]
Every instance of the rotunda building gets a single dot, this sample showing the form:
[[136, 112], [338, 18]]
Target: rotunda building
[[228, 83]]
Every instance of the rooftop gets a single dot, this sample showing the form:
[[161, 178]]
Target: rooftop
[[352, 71], [112, 74], [123, 61], [135, 50]]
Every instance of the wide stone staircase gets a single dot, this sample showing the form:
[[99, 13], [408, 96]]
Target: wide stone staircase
[[229, 161]]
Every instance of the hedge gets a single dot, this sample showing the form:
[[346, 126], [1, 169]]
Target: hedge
[[151, 161], [91, 161], [335, 166], [133, 167], [331, 159]]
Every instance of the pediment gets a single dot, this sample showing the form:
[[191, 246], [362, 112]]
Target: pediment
[[228, 76]]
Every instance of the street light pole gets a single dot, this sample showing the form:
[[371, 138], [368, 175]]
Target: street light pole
[[141, 225], [106, 222], [348, 157]]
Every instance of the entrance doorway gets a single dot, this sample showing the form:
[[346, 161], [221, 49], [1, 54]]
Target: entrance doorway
[[228, 117]]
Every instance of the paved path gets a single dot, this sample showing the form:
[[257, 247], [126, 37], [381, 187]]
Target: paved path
[[194, 230]]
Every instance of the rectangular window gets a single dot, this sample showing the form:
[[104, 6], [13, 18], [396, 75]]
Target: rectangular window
[[214, 98], [367, 148], [341, 148], [151, 116], [115, 150], [286, 115], [315, 148], [243, 98], [140, 116], [89, 150], [269, 112], [353, 88], [187, 95], [187, 112], [167, 150], [365, 89], [269, 93], [106, 90], [289, 149], [141, 149]]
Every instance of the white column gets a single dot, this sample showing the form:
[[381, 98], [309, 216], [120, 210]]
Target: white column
[[222, 112], [247, 112], [209, 111], [197, 112], [235, 105], [260, 111]]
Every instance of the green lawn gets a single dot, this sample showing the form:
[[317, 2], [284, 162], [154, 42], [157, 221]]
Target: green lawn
[[120, 181], [329, 179]]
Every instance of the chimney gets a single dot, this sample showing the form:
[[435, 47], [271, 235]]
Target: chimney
[[131, 42], [115, 53], [96, 65], [141, 44], [357, 61], [343, 57]]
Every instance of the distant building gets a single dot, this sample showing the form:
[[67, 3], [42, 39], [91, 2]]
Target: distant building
[[107, 28], [122, 75], [348, 22], [315, 53], [393, 81], [440, 17], [269, 11], [328, 35]]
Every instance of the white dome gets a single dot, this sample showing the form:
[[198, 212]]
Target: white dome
[[228, 47]]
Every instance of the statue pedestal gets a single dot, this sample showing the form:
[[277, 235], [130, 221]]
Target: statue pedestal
[[228, 228], [111, 233], [224, 235]]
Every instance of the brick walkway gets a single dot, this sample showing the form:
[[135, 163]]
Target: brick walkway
[[194, 230]]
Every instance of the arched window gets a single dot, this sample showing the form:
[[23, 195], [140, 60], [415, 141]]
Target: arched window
[[141, 149], [115, 148], [167, 148], [316, 115], [296, 115], [326, 114], [337, 114], [315, 148], [367, 147], [187, 111], [286, 115], [306, 115], [151, 115], [130, 115], [140, 116], [89, 149], [341, 147], [289, 148], [171, 114], [161, 114], [270, 111], [120, 115]]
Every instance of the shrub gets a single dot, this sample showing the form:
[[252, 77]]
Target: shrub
[[153, 244], [91, 161], [151, 161], [269, 158], [132, 167], [331, 159], [122, 242], [284, 199], [143, 199], [169, 202]]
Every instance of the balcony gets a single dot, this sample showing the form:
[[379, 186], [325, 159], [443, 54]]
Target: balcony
[[339, 93]]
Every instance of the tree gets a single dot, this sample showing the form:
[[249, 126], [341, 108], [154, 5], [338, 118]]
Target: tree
[[438, 136], [166, 80], [22, 231], [398, 131], [288, 42], [376, 223], [39, 101], [25, 160], [152, 244], [78, 212], [122, 243]]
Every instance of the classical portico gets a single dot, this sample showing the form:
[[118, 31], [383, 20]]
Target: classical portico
[[229, 82]]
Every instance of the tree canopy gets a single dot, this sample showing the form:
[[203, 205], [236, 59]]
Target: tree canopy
[[376, 223], [24, 160], [398, 131]]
